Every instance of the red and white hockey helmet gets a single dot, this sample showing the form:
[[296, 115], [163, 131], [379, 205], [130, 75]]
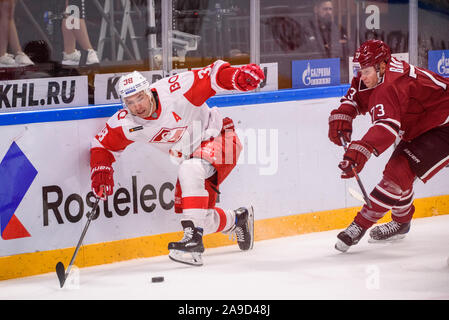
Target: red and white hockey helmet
[[371, 53], [131, 84]]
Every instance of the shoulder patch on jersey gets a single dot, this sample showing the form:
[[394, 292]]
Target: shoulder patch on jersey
[[121, 118], [136, 129], [122, 114]]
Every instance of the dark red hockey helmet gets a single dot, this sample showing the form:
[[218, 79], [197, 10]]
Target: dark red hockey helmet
[[371, 53]]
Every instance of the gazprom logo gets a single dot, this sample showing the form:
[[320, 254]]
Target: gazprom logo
[[16, 176], [316, 76], [443, 65], [315, 73], [439, 62]]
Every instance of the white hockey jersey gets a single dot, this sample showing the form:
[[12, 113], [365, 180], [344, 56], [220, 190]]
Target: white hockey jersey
[[183, 119]]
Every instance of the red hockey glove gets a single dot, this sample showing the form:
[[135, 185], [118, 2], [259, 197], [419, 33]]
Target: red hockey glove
[[248, 77], [356, 155], [102, 178], [340, 120]]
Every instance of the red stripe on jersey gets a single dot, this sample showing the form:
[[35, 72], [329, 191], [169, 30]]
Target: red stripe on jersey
[[195, 202], [223, 219], [113, 139]]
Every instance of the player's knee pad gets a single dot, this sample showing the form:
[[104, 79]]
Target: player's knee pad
[[387, 195], [384, 197], [389, 187]]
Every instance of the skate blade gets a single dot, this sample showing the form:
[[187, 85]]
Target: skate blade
[[391, 239], [341, 246], [190, 258], [251, 225]]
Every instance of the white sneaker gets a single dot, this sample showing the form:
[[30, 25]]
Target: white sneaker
[[7, 61], [22, 59], [92, 57], [71, 59]]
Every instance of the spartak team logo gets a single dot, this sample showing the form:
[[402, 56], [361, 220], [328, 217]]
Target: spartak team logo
[[17, 174], [169, 135]]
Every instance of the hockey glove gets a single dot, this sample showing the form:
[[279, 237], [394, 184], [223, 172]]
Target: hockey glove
[[340, 120], [355, 156], [102, 178], [248, 77]]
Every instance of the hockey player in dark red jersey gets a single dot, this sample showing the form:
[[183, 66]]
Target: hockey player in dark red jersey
[[172, 115], [404, 102]]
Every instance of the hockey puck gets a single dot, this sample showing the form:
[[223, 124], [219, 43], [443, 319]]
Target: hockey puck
[[157, 279]]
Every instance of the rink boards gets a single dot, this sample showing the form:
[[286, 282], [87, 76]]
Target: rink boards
[[287, 171]]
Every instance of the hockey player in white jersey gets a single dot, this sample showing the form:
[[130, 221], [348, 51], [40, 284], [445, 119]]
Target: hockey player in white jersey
[[173, 115]]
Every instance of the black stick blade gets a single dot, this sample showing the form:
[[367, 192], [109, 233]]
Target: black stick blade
[[60, 272]]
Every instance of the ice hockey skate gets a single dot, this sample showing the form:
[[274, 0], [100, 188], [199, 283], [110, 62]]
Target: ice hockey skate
[[243, 229], [387, 232], [190, 248], [349, 237]]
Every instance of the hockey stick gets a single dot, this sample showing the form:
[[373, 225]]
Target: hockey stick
[[362, 188], [60, 270], [356, 195]]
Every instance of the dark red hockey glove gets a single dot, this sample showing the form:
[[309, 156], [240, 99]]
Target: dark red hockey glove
[[102, 178], [248, 77], [356, 155], [340, 120]]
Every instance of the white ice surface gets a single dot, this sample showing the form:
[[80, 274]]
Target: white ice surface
[[299, 267]]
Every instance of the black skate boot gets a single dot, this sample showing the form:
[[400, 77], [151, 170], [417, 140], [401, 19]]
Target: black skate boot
[[244, 228], [190, 248], [389, 232], [349, 237]]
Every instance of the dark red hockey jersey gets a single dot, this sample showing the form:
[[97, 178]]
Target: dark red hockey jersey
[[406, 103]]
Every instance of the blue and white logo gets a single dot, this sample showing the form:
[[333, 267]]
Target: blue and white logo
[[439, 62], [315, 73]]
